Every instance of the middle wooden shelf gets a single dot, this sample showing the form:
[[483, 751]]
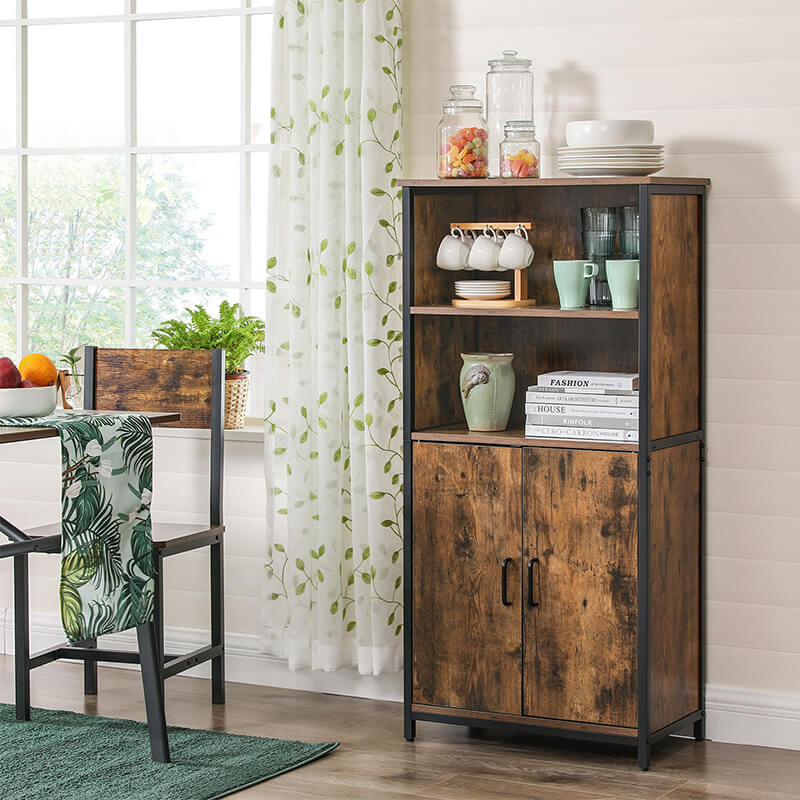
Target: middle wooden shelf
[[530, 311], [512, 437]]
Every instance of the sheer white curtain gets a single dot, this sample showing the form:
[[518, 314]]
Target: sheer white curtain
[[333, 452]]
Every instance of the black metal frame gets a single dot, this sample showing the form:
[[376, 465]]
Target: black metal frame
[[156, 666], [643, 738]]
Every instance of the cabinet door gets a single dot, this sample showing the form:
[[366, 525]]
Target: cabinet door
[[580, 640], [467, 520]]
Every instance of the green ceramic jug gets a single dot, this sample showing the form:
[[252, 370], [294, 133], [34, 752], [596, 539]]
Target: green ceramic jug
[[487, 390]]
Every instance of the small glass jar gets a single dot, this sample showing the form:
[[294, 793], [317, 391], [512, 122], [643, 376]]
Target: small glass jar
[[519, 151], [463, 148]]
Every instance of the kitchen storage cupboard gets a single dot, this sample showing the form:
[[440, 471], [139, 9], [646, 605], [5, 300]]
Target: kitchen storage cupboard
[[556, 586]]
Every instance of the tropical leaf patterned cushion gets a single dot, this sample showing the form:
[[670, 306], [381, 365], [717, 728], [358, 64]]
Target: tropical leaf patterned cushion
[[106, 547]]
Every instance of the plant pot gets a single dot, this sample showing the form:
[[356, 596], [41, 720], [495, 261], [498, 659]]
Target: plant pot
[[237, 387]]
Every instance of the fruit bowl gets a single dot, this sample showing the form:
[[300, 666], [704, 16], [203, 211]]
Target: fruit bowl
[[32, 401]]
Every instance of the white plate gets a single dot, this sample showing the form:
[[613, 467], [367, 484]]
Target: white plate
[[496, 296], [482, 288], [483, 284], [634, 148], [476, 293], [610, 165], [608, 172], [611, 157], [607, 166], [483, 291]]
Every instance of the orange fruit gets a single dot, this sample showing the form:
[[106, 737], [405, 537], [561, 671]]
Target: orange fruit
[[39, 369]]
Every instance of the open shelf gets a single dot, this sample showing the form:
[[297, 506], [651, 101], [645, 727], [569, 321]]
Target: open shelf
[[530, 311], [514, 437]]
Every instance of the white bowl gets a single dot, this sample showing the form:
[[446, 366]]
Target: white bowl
[[33, 401], [603, 132]]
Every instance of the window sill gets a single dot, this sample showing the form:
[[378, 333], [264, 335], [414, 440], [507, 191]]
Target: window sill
[[253, 431]]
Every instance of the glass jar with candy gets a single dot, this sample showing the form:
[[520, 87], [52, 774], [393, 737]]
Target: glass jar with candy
[[462, 137], [519, 151]]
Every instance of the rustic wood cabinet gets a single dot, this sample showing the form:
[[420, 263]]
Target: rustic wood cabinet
[[556, 586]]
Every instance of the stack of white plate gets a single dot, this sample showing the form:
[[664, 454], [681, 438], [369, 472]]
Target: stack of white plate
[[609, 160], [605, 148], [483, 290]]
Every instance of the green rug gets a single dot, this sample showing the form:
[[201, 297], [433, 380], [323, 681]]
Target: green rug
[[60, 755]]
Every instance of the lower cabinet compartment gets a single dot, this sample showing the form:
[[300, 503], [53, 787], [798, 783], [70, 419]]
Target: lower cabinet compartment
[[467, 521], [524, 576], [580, 523]]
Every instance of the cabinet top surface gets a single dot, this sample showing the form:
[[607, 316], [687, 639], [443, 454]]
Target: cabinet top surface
[[520, 182]]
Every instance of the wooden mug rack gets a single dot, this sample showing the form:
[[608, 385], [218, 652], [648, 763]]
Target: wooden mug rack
[[520, 298]]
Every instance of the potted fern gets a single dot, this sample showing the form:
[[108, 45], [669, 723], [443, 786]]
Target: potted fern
[[240, 336]]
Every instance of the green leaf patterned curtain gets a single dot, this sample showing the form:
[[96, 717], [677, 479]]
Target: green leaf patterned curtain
[[333, 577]]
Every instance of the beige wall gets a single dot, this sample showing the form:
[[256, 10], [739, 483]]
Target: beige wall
[[721, 80]]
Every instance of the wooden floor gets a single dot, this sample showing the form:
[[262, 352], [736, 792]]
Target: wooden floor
[[446, 762]]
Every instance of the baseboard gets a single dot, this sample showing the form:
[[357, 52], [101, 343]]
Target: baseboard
[[243, 661], [740, 716], [750, 716]]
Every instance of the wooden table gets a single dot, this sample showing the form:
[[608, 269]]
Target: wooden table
[[8, 433]]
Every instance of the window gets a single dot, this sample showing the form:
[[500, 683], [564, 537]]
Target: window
[[133, 166]]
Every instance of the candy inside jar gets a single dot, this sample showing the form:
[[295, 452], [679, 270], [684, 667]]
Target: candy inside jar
[[519, 151], [463, 139], [465, 154]]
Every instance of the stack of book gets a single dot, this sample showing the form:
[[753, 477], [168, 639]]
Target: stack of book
[[599, 406]]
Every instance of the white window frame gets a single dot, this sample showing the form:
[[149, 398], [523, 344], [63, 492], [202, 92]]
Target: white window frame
[[245, 285]]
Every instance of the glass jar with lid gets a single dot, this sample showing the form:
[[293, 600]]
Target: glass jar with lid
[[462, 137], [509, 95], [519, 150]]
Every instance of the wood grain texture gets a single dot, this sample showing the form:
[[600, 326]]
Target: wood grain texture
[[10, 434], [675, 294], [467, 519], [489, 183], [438, 344], [432, 217], [559, 724], [556, 212], [538, 345], [513, 437], [153, 380], [580, 642], [532, 311], [675, 564], [446, 762]]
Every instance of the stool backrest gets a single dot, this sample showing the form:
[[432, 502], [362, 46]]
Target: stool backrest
[[191, 382]]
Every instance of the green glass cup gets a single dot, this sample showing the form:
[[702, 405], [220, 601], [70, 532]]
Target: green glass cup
[[572, 281], [623, 280]]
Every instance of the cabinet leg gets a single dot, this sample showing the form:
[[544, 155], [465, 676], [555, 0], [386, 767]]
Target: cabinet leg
[[700, 729], [643, 751], [409, 726]]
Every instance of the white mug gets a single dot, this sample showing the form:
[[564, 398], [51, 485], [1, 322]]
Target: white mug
[[516, 252], [486, 251], [453, 251]]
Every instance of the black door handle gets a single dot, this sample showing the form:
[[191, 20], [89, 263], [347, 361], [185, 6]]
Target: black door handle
[[504, 586], [531, 594]]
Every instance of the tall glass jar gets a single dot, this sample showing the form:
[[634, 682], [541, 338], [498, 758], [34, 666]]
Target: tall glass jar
[[509, 95], [462, 136], [519, 151]]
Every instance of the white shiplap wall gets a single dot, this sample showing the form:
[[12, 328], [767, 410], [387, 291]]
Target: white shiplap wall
[[721, 80]]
